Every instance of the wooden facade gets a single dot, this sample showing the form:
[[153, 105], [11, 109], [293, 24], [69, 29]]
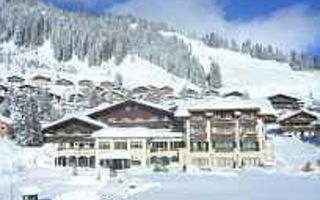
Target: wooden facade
[[71, 129], [281, 101], [299, 121], [132, 113]]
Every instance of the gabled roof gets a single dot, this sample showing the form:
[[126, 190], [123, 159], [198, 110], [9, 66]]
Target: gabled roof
[[64, 82], [295, 113], [284, 96], [77, 117], [234, 93], [105, 107]]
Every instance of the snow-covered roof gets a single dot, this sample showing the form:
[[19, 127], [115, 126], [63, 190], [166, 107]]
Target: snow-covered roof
[[105, 106], [135, 132], [75, 116], [5, 119], [288, 115], [217, 103], [225, 104]]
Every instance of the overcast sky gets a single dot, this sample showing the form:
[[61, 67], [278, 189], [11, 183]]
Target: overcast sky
[[288, 24]]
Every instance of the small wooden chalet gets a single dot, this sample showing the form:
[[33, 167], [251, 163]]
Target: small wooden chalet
[[234, 94], [299, 121], [139, 92], [211, 92], [133, 113], [64, 82], [107, 85], [27, 88], [86, 83], [15, 79], [282, 101], [165, 91]]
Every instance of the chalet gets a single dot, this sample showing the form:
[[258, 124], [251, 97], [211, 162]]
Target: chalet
[[64, 82], [140, 133], [86, 83], [300, 121], [27, 88], [107, 85], [116, 136], [131, 113], [72, 139], [282, 101], [211, 92], [5, 128], [76, 97], [15, 79], [139, 92], [225, 133], [234, 94], [113, 96], [165, 91]]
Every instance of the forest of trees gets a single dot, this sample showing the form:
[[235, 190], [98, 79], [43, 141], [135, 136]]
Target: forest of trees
[[297, 61], [96, 39]]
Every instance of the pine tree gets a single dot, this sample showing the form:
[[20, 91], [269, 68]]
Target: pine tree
[[214, 77], [27, 125]]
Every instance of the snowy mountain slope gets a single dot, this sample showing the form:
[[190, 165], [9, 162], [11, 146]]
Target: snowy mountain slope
[[134, 70], [258, 77]]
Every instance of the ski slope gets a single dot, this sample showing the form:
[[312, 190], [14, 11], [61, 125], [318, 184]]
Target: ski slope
[[260, 78]]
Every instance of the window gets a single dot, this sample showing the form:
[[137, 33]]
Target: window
[[81, 145], [136, 145], [224, 146], [104, 145], [223, 128], [248, 145], [120, 145], [71, 145], [176, 145], [248, 128], [197, 127], [3, 128], [135, 162], [91, 145], [128, 109], [159, 145], [199, 146]]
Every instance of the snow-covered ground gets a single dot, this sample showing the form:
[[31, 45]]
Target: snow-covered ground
[[285, 181]]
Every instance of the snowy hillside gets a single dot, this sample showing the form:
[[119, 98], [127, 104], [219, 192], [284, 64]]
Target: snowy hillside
[[134, 70], [258, 77]]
